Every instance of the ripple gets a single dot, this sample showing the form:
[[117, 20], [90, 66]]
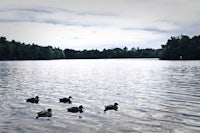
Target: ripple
[[153, 96]]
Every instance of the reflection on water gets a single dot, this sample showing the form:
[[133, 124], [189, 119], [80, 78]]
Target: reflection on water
[[153, 96]]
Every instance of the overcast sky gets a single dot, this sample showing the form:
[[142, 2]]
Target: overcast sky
[[98, 24]]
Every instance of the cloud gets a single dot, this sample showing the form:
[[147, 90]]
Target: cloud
[[113, 13], [89, 23], [55, 16], [146, 29]]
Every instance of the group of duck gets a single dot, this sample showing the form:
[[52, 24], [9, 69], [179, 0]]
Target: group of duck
[[48, 112]]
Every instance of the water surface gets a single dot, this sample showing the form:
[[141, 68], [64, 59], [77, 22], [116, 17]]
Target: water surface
[[153, 95]]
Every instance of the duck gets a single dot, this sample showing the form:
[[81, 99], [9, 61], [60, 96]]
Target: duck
[[76, 109], [65, 100], [47, 113], [33, 100], [111, 107]]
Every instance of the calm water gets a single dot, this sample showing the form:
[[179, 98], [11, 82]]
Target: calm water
[[153, 95]]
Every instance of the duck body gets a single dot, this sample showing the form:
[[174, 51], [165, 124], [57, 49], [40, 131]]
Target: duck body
[[111, 107], [75, 109], [65, 100], [33, 100], [47, 113]]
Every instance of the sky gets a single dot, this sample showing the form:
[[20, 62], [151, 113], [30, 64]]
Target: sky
[[98, 24]]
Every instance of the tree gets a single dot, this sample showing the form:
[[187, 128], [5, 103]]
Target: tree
[[20, 51], [181, 48]]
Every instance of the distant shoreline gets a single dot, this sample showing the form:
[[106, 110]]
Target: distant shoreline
[[176, 48]]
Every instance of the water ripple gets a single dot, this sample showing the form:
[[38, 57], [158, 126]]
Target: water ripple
[[153, 96]]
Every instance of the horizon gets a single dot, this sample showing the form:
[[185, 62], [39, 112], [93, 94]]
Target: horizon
[[91, 24]]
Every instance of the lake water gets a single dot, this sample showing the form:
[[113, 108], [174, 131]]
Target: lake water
[[153, 96]]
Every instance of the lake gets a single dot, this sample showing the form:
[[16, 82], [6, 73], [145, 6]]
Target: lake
[[153, 96]]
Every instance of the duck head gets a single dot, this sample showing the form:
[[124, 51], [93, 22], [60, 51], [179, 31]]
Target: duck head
[[49, 110], [81, 107], [116, 104]]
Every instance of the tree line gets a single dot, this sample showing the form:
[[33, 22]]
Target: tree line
[[176, 48], [181, 47], [112, 53], [12, 50]]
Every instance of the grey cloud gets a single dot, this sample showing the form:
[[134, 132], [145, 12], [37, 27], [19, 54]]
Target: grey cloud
[[30, 10], [51, 21], [98, 14], [153, 29], [34, 10], [48, 15], [49, 10], [192, 29], [9, 20], [69, 23]]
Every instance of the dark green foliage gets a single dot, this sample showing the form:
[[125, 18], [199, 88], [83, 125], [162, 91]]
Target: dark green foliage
[[12, 50], [181, 48], [20, 51], [112, 53]]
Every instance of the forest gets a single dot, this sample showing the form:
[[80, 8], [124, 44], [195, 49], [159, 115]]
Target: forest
[[181, 48], [112, 53], [12, 50], [176, 48]]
